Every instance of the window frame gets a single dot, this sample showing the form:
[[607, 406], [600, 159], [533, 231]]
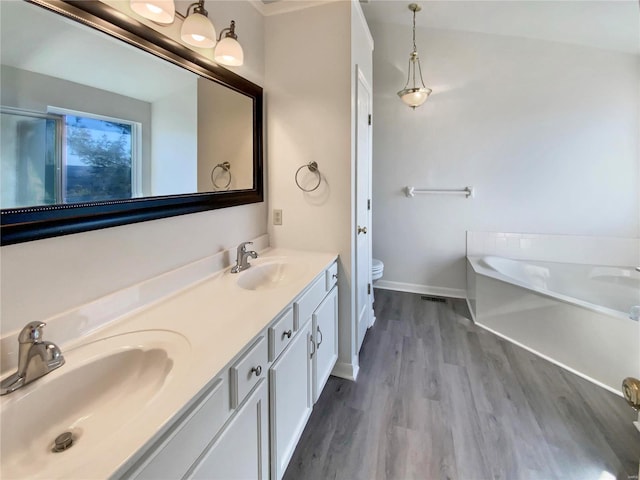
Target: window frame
[[59, 145]]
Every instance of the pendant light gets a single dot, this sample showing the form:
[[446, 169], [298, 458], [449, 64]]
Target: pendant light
[[197, 30], [228, 51], [160, 11], [414, 95]]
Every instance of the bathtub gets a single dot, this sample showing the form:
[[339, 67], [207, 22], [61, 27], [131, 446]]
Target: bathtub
[[581, 317]]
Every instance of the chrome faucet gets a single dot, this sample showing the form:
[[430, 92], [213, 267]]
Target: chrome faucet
[[36, 358], [242, 258]]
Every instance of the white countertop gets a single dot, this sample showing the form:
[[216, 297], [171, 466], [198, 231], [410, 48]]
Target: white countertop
[[217, 319]]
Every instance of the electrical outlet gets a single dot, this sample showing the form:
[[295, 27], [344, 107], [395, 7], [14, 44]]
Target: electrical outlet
[[277, 216]]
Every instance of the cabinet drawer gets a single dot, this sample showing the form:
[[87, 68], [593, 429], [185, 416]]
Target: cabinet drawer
[[332, 276], [280, 334], [304, 307], [246, 372], [175, 454]]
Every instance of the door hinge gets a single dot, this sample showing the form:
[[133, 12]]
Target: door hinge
[[368, 204], [368, 288], [369, 119]]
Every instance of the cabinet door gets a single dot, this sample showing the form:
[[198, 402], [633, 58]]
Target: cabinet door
[[325, 335], [290, 399], [241, 451]]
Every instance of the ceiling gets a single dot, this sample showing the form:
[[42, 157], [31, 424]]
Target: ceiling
[[608, 24]]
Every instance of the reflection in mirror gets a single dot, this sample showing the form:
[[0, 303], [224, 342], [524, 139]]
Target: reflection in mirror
[[232, 160], [88, 118]]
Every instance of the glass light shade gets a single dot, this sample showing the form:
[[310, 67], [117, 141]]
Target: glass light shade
[[229, 52], [160, 11], [198, 31], [414, 97]]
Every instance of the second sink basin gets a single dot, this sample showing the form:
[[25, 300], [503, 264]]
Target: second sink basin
[[103, 387], [271, 273]]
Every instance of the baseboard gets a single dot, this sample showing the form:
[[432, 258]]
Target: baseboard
[[347, 371], [555, 362], [423, 289]]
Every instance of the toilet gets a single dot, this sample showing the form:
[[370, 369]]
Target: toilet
[[377, 267]]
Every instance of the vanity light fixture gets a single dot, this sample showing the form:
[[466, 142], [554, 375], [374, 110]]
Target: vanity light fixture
[[414, 95], [228, 51], [197, 29], [160, 11]]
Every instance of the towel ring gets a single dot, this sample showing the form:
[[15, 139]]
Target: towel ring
[[313, 167], [226, 167]]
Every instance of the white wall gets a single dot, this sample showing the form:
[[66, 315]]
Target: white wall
[[174, 167], [308, 119], [41, 278], [215, 130], [309, 74], [547, 133]]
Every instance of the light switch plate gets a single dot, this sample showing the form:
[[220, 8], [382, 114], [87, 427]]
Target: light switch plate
[[277, 216]]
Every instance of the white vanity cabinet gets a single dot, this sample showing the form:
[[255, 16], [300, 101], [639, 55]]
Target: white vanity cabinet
[[175, 453], [225, 434], [297, 377], [325, 339], [290, 391], [247, 422], [241, 451]]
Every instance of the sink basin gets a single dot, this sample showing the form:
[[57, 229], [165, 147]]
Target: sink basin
[[272, 273], [102, 389]]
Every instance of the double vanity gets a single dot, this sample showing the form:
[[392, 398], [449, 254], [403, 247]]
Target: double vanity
[[214, 379]]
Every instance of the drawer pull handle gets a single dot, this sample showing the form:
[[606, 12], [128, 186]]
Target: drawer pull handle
[[257, 370], [314, 346], [287, 334], [319, 333], [335, 275]]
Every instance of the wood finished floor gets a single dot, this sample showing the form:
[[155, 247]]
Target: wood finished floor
[[439, 398]]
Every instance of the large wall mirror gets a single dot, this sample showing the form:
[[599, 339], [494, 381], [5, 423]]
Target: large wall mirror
[[106, 122]]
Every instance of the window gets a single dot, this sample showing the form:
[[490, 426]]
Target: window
[[68, 157], [30, 153]]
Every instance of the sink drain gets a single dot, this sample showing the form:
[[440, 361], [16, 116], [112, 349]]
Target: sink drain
[[62, 442]]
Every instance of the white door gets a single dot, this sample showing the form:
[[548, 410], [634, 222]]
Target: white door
[[363, 217]]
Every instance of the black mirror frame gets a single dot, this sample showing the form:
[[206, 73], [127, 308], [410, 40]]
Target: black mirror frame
[[34, 223]]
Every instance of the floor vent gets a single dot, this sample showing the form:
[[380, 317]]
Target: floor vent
[[428, 298]]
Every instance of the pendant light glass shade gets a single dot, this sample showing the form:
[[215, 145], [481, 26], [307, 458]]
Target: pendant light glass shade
[[160, 11], [414, 94], [414, 97], [197, 30], [228, 51]]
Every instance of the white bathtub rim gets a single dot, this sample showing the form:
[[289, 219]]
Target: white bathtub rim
[[479, 269], [552, 360]]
